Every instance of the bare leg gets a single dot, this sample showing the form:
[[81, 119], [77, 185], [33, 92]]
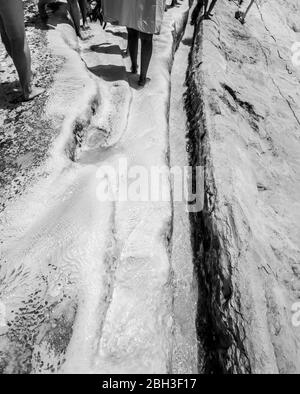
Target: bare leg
[[83, 9], [75, 14], [41, 6], [12, 16], [146, 54], [211, 7], [248, 8], [133, 41], [205, 5], [5, 38]]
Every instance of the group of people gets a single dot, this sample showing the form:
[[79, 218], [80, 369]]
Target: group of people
[[207, 8], [143, 19], [76, 7]]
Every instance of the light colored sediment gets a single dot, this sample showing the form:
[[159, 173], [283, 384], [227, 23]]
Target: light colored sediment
[[87, 284], [185, 357]]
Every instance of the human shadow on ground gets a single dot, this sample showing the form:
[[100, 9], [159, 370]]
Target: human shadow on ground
[[187, 41], [57, 13], [113, 73], [120, 34], [110, 72], [110, 49], [107, 48], [10, 95]]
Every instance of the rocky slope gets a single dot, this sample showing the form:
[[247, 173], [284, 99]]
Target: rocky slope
[[244, 121]]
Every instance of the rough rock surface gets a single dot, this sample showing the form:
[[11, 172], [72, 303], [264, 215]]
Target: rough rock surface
[[87, 285], [243, 100]]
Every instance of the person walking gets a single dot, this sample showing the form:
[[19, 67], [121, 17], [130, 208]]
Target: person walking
[[75, 7], [206, 7], [143, 19], [208, 10], [12, 30]]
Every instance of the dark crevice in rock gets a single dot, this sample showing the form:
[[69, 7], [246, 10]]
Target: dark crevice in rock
[[243, 104], [220, 326]]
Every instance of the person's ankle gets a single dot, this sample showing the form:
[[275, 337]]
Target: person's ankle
[[134, 68], [27, 91], [207, 15], [32, 92], [142, 80]]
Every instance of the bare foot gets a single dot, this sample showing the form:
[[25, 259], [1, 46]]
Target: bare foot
[[34, 92], [84, 36], [143, 82], [85, 27], [207, 16], [125, 53]]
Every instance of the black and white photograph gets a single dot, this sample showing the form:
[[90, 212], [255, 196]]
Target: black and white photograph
[[149, 191]]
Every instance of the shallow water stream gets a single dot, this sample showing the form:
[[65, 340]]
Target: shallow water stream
[[97, 286]]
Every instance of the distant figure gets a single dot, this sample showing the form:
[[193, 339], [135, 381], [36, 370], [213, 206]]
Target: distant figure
[[12, 30], [207, 10], [95, 12], [241, 16], [75, 7], [83, 5], [173, 4], [143, 18]]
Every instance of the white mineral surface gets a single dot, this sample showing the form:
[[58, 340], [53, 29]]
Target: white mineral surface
[[140, 285]]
